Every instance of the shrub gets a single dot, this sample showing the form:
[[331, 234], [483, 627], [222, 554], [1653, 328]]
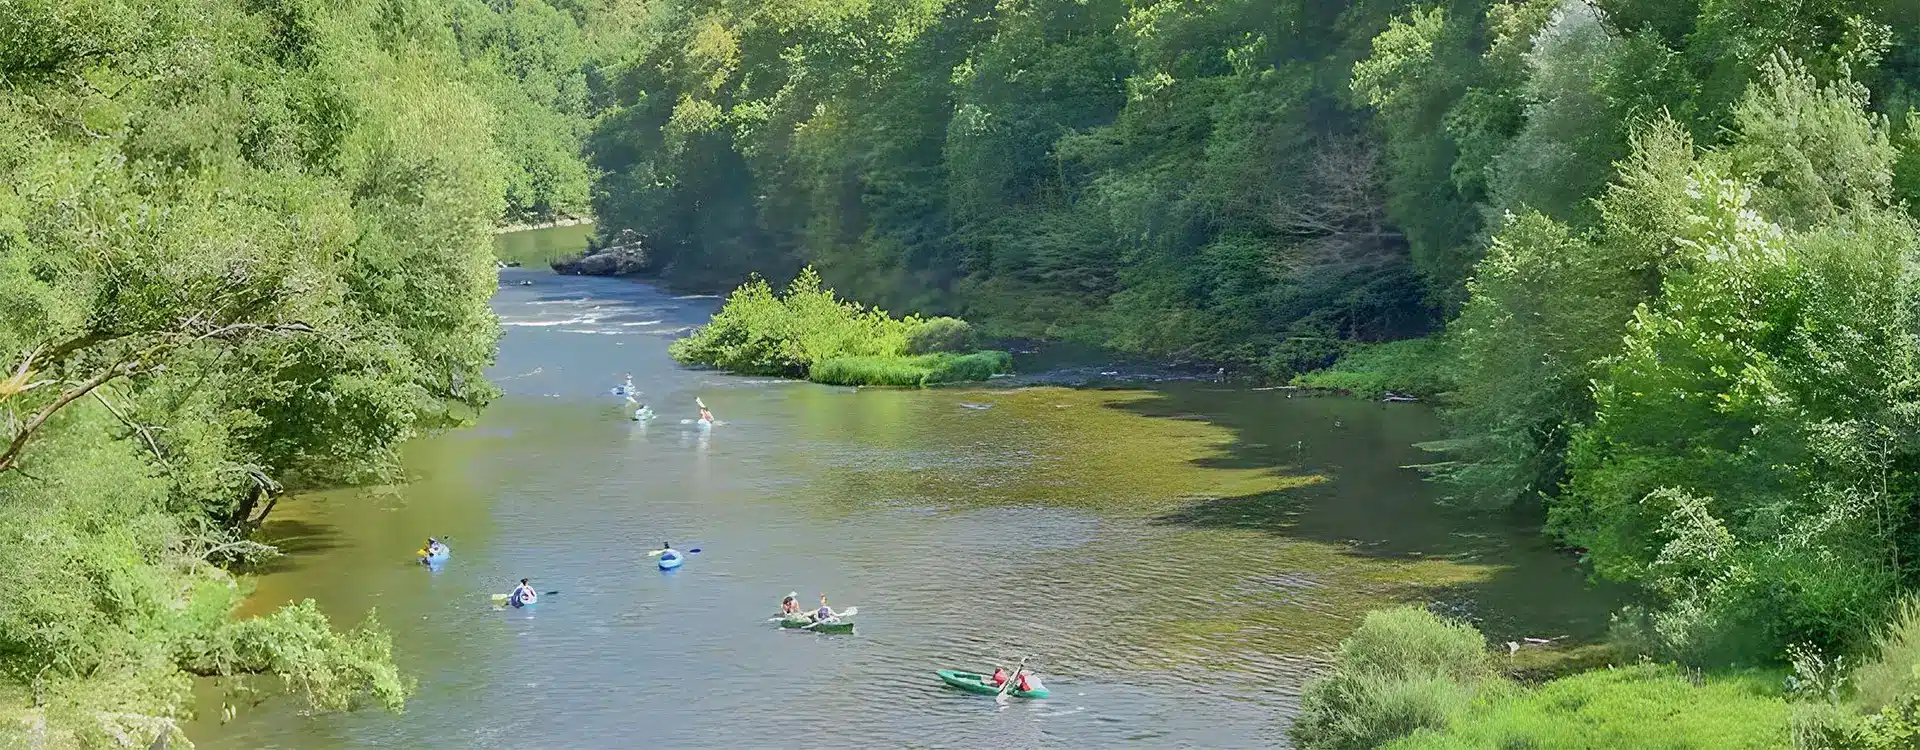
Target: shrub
[[760, 333], [807, 331], [1883, 710], [1415, 367], [941, 335], [956, 368], [1404, 670], [1894, 671]]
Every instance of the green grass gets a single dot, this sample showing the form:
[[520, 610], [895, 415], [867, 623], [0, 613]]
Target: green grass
[[911, 372], [1415, 367], [1645, 706]]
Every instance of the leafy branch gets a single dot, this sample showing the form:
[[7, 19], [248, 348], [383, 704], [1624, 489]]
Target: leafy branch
[[148, 359]]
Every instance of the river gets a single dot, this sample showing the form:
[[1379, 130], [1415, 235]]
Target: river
[[1176, 559]]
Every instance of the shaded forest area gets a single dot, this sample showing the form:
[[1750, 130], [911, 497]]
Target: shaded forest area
[[1250, 182]]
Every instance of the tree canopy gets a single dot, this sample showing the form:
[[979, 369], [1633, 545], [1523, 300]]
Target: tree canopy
[[244, 248]]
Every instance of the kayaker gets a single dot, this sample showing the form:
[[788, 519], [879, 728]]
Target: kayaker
[[435, 548], [791, 605], [999, 676], [1027, 682], [642, 414], [523, 594], [705, 416], [824, 613]]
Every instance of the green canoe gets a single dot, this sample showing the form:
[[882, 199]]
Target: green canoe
[[979, 683], [843, 626]]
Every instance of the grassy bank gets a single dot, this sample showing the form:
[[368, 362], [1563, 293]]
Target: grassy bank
[[808, 332], [1412, 680], [1408, 679]]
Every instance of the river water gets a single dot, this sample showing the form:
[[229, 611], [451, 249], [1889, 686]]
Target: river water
[[1175, 559]]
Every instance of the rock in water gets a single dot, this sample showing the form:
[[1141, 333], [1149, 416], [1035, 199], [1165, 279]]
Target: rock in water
[[625, 256]]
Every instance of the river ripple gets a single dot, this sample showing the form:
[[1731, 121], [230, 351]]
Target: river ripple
[[1176, 560]]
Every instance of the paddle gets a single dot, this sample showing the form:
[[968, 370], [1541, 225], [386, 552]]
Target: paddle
[[498, 598], [656, 553], [851, 611]]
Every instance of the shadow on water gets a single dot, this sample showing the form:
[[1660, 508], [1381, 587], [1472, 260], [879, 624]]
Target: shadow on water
[[1526, 587], [296, 539]]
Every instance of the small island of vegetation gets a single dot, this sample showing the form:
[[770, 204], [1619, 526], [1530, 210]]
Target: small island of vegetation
[[809, 332]]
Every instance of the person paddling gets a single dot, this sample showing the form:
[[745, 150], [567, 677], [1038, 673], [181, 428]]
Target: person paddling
[[523, 594], [824, 613], [435, 548], [1027, 682], [705, 416], [790, 606]]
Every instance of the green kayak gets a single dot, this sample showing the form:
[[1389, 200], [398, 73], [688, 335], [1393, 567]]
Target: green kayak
[[979, 683], [844, 626]]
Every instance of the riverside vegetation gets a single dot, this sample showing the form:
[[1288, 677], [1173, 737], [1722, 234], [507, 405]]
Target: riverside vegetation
[[1666, 250], [244, 249]]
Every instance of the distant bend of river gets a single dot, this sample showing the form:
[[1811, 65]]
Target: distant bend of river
[[1175, 560]]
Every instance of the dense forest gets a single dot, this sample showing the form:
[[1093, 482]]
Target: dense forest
[[244, 250], [1664, 252], [1668, 248]]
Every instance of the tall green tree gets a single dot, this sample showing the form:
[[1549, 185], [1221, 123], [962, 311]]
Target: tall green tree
[[244, 249]]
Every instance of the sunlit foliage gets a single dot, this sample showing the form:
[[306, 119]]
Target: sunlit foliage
[[244, 247]]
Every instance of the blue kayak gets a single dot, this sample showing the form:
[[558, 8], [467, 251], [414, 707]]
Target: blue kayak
[[669, 560]]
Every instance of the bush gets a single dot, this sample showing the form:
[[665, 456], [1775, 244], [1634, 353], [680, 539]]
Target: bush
[[1415, 367], [952, 368], [941, 335], [809, 332], [760, 333], [1883, 709], [1894, 671], [1640, 706], [1404, 670]]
